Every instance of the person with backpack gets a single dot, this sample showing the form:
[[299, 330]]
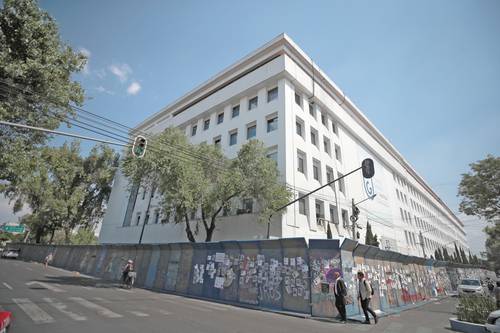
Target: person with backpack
[[340, 291], [365, 294]]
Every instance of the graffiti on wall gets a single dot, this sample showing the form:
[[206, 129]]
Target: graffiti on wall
[[267, 278]]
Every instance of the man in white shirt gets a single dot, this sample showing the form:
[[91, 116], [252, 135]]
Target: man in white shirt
[[365, 295]]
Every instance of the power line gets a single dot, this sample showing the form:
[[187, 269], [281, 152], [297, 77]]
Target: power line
[[61, 133], [182, 152]]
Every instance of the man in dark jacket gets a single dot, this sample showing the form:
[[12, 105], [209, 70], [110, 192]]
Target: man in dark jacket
[[340, 291]]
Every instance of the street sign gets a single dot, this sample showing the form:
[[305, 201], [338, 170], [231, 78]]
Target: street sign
[[13, 228]]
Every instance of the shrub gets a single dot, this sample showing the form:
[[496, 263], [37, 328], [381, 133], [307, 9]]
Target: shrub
[[475, 309]]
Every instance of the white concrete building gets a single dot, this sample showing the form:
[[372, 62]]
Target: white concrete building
[[278, 95]]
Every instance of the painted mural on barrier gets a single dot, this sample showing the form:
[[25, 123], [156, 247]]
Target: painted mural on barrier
[[266, 278], [322, 279]]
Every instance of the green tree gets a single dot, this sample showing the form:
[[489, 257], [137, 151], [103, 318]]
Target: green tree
[[209, 186], [370, 238], [63, 189], [35, 79], [480, 189], [328, 231], [493, 244], [446, 255], [480, 193], [84, 236]]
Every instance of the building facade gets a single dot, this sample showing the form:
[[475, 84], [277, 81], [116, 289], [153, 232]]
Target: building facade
[[315, 133]]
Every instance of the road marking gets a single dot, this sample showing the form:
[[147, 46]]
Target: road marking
[[138, 314], [29, 268], [7, 285], [100, 299], [100, 310], [64, 309], [166, 313], [33, 311], [46, 286], [85, 287], [209, 304], [189, 306]]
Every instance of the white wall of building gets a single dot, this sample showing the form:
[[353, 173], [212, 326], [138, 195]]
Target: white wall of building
[[354, 137]]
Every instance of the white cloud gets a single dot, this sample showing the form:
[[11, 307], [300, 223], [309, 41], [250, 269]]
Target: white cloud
[[121, 71], [101, 89], [133, 88], [86, 53]]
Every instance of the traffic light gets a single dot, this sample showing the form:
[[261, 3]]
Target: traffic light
[[139, 147], [368, 168]]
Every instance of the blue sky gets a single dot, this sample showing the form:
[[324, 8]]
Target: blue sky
[[426, 73]]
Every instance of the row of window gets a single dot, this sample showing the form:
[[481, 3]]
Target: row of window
[[251, 131], [253, 103], [316, 170], [319, 206], [314, 136], [312, 112]]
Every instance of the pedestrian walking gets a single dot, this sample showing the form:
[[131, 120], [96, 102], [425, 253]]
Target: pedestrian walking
[[365, 295], [48, 259], [340, 291]]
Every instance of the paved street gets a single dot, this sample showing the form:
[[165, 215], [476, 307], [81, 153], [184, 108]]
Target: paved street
[[53, 300]]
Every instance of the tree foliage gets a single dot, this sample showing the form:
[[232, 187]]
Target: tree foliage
[[370, 238], [480, 189], [206, 186], [35, 78], [62, 189]]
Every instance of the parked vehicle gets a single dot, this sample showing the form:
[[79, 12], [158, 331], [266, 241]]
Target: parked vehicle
[[493, 322], [11, 253], [5, 321], [470, 287]]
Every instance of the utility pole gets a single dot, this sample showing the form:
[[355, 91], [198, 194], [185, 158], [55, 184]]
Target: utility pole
[[354, 218], [146, 218]]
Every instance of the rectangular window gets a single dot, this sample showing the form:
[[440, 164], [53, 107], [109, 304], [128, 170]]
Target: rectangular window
[[334, 214], [298, 128], [220, 118], [298, 100], [138, 219], [334, 128], [329, 174], [341, 183], [326, 145], [323, 119], [320, 213], [233, 138], [272, 94], [311, 110], [314, 137], [345, 218], [193, 130], [217, 141], [253, 103], [247, 206], [143, 193], [338, 153], [235, 112], [302, 205], [157, 216], [273, 155], [206, 124], [251, 131], [317, 170], [301, 162], [146, 219], [272, 124]]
